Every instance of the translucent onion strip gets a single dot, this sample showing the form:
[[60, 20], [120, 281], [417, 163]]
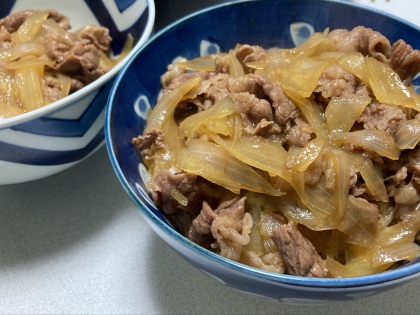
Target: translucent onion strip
[[205, 63], [360, 221], [342, 112], [377, 141], [315, 45], [215, 164], [235, 70], [255, 151], [308, 154], [374, 180], [221, 109], [312, 112], [167, 104], [22, 49], [278, 61], [341, 167], [29, 87], [394, 253], [30, 29], [387, 85], [303, 75], [407, 135], [354, 63]]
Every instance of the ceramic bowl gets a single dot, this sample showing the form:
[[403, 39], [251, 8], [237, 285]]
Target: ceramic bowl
[[268, 23], [55, 137]]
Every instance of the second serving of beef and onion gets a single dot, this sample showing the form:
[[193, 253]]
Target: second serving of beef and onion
[[42, 61], [302, 161]]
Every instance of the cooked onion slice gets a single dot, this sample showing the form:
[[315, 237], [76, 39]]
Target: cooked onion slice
[[308, 154], [215, 164], [221, 109], [387, 85], [354, 62], [342, 112], [374, 180], [255, 151], [360, 221], [394, 253], [235, 70], [205, 63], [407, 135], [167, 104], [303, 75], [371, 140]]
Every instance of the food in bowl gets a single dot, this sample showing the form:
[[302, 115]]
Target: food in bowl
[[41, 61], [300, 161]]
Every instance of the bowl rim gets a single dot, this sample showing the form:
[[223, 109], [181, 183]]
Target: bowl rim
[[91, 87], [407, 273]]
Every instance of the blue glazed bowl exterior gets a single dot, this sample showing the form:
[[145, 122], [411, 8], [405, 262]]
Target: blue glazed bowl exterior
[[53, 138], [267, 23]]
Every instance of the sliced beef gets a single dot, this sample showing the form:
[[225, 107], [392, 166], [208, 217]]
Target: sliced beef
[[12, 22], [189, 185], [363, 40], [405, 61], [76, 56], [378, 116], [256, 114], [247, 53], [182, 78], [284, 108], [222, 62], [224, 224], [173, 72], [406, 195], [51, 88], [144, 144], [263, 106], [298, 253], [231, 227], [299, 133], [181, 220], [335, 81], [214, 89], [271, 262], [98, 36], [200, 230], [5, 39]]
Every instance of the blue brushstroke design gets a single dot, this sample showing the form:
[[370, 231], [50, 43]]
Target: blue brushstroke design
[[123, 5], [18, 154], [55, 127]]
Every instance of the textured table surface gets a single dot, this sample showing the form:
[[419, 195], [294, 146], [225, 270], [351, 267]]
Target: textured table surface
[[75, 244]]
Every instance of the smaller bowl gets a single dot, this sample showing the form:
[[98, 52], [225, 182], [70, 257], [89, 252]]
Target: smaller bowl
[[269, 23], [55, 137]]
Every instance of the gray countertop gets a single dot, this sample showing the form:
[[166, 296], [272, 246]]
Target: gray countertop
[[74, 243]]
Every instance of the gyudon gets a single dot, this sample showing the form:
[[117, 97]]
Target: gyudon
[[301, 161], [42, 61]]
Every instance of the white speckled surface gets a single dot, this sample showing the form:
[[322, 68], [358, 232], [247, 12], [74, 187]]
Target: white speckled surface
[[75, 244]]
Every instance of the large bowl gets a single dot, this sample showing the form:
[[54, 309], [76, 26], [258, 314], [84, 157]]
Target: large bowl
[[269, 23], [55, 137]]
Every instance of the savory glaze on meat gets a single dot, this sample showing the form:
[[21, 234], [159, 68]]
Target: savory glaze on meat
[[42, 61], [302, 161]]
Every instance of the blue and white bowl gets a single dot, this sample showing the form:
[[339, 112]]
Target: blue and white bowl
[[55, 137], [268, 23]]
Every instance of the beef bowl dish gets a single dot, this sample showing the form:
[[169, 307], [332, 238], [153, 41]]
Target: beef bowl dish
[[274, 145], [58, 61]]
